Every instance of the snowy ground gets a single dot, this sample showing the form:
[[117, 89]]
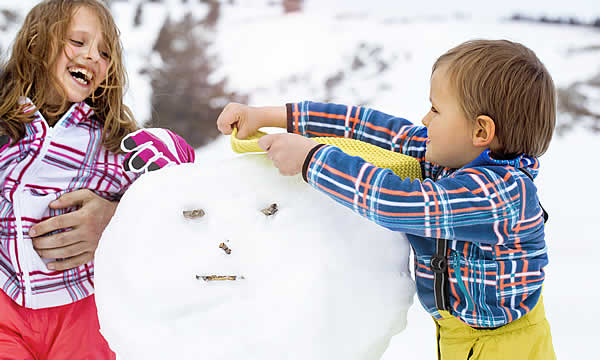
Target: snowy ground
[[262, 53]]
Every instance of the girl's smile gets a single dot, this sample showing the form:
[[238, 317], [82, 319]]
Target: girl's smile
[[83, 63]]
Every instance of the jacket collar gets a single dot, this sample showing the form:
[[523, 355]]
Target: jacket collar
[[520, 161], [77, 113]]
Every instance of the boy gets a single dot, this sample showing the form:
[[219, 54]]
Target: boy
[[475, 222]]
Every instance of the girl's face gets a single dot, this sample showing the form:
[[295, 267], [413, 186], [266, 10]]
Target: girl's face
[[83, 63]]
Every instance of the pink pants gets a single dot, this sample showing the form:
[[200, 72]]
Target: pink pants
[[63, 332]]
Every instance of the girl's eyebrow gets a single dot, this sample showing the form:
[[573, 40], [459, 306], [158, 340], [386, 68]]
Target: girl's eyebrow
[[78, 32], [86, 34]]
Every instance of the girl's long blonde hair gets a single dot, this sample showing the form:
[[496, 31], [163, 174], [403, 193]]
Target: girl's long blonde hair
[[29, 72]]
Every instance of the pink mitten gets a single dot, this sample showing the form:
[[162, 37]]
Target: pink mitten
[[153, 149]]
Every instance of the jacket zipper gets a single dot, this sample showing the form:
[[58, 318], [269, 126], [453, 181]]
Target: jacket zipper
[[28, 295], [459, 281]]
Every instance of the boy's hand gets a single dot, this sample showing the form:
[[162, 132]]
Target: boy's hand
[[240, 116], [153, 149], [82, 229], [287, 151]]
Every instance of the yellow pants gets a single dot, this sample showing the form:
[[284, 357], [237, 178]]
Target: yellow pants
[[525, 338]]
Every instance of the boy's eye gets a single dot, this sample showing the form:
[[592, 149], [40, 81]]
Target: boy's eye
[[433, 110]]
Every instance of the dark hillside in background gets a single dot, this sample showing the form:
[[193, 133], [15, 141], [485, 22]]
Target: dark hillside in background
[[572, 100], [186, 100]]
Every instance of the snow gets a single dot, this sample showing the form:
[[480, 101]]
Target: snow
[[319, 282], [279, 59]]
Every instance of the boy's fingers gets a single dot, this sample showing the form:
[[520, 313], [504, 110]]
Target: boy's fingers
[[63, 252], [54, 241], [266, 141], [71, 262], [242, 132], [224, 127], [54, 223]]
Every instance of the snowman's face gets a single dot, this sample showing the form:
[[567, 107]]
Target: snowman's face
[[244, 277]]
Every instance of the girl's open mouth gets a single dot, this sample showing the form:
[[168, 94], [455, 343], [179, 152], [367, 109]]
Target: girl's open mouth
[[81, 75]]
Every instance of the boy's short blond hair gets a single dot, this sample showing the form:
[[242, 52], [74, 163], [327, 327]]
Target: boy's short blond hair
[[507, 82]]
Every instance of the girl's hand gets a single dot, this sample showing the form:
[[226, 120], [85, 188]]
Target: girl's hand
[[154, 149], [77, 245], [240, 116], [287, 151]]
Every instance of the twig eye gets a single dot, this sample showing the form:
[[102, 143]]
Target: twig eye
[[193, 214], [272, 209]]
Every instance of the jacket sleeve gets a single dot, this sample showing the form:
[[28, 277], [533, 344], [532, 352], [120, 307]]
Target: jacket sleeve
[[389, 132], [480, 204]]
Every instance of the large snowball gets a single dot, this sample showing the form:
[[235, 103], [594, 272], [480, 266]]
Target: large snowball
[[319, 282]]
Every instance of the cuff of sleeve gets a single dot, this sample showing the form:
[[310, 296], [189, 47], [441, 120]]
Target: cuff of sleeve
[[307, 160], [290, 119]]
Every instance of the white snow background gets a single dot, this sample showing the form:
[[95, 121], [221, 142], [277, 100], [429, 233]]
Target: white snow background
[[261, 51]]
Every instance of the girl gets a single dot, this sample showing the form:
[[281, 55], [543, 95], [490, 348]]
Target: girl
[[62, 120]]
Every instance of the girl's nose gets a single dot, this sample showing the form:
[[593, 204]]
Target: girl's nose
[[93, 53]]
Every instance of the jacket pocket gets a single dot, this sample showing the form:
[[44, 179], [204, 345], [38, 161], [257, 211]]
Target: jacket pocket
[[474, 281]]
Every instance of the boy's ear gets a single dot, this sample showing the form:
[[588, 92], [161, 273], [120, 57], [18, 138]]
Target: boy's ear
[[484, 131]]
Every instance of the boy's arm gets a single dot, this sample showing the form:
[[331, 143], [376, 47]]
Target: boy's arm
[[314, 119], [476, 204]]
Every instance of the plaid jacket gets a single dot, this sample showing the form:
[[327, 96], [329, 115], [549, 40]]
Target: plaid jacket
[[488, 210], [46, 163]]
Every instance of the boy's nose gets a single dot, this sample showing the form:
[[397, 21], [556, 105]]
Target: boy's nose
[[425, 120]]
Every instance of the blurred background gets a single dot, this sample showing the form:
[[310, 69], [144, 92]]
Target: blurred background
[[187, 58]]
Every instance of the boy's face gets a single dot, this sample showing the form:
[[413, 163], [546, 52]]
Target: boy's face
[[83, 63], [450, 133]]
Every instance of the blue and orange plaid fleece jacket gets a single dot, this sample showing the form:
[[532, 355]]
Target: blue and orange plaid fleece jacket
[[488, 210]]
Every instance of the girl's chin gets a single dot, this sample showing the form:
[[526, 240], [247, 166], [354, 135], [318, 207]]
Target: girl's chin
[[75, 98]]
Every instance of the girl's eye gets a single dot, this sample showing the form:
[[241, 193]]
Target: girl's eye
[[77, 42], [105, 54]]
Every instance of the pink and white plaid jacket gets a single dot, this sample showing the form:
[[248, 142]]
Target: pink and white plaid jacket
[[46, 163]]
